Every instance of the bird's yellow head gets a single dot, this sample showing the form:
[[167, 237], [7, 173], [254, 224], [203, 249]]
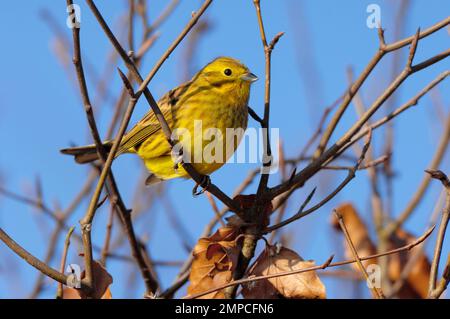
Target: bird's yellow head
[[227, 74]]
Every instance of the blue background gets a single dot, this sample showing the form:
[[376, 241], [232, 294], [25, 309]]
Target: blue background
[[41, 112]]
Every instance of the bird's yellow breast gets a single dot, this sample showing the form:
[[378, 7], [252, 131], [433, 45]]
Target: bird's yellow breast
[[209, 126]]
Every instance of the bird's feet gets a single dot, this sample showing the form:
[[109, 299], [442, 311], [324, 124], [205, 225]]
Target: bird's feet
[[177, 157], [204, 184]]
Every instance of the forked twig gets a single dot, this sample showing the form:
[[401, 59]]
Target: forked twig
[[376, 291]]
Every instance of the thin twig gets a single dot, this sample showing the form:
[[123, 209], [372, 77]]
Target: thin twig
[[143, 89], [378, 214], [105, 250], [256, 214], [162, 17], [424, 184], [309, 171], [301, 213], [376, 291], [418, 253], [131, 12], [215, 208], [32, 260], [383, 49], [410, 103], [433, 292], [59, 292], [86, 221]]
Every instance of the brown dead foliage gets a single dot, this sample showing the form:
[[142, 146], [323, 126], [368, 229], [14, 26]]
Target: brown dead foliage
[[416, 284], [275, 260], [102, 281], [215, 258]]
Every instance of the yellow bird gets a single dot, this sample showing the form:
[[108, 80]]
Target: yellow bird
[[207, 115]]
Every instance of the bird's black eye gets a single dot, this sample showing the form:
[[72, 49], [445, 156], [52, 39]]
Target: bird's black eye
[[227, 72]]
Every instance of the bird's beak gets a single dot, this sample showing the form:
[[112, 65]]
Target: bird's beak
[[250, 77]]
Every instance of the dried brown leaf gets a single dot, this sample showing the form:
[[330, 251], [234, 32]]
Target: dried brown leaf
[[416, 285], [102, 281], [272, 261], [215, 258], [72, 293]]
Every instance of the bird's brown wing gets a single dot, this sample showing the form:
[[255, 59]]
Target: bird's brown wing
[[149, 124]]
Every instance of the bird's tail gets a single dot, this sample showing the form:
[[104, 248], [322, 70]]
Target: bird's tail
[[87, 153]]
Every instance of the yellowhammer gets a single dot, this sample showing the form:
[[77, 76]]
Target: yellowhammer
[[207, 115]]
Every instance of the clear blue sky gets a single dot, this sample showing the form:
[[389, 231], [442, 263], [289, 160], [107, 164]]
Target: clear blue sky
[[40, 112]]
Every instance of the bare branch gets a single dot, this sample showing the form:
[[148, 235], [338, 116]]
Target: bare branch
[[301, 213], [33, 261], [433, 291], [213, 189], [59, 292], [377, 292], [366, 72]]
